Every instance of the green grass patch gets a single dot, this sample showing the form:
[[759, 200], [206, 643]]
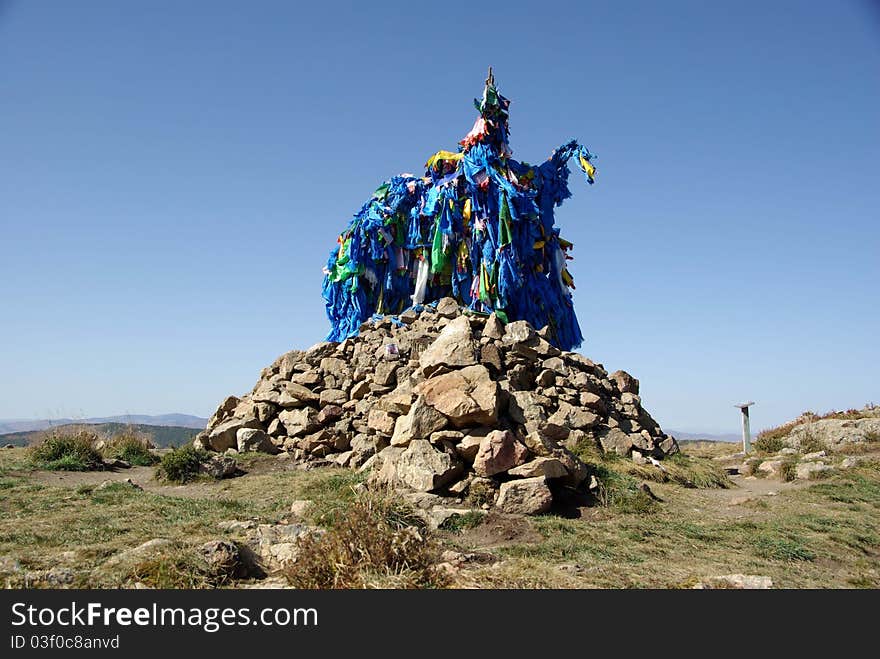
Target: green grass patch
[[852, 488], [622, 493], [181, 465], [332, 494], [67, 450], [695, 472], [568, 540], [783, 548], [130, 447], [7, 483], [460, 523]]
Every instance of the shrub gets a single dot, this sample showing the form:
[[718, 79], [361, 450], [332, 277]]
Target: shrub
[[70, 449], [132, 448], [770, 441], [374, 545], [182, 464], [788, 470], [480, 493], [810, 442], [751, 466]]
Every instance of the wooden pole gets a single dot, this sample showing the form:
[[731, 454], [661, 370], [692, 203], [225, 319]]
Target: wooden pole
[[747, 436]]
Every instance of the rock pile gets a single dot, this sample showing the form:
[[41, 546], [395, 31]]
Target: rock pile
[[444, 402], [837, 430]]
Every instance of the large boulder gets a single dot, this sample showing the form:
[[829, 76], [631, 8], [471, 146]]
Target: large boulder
[[529, 496], [518, 332], [468, 447], [573, 417], [333, 397], [490, 356], [809, 470], [383, 467], [544, 467], [494, 328], [277, 545], [224, 411], [525, 407], [300, 421], [254, 440], [224, 435], [614, 440], [835, 432], [218, 466], [418, 423], [424, 468], [448, 307], [626, 384], [453, 347], [381, 421], [296, 395], [466, 397], [499, 451], [772, 468]]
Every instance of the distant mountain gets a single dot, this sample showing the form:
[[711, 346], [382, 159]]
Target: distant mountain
[[179, 420], [161, 435], [694, 436]]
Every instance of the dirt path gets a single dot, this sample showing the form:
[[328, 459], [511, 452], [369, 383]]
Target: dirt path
[[144, 477], [750, 486]]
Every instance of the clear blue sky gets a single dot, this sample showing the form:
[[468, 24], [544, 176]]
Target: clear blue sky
[[172, 175]]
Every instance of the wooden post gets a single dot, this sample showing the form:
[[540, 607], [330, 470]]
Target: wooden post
[[747, 437]]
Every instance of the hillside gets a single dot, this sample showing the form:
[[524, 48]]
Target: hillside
[[161, 435], [180, 420], [683, 436]]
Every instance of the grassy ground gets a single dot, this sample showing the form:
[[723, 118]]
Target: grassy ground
[[79, 526], [803, 535], [823, 535]]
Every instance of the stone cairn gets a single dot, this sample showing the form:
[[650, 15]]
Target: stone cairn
[[444, 402]]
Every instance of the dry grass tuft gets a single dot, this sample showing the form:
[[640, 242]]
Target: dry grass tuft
[[379, 543]]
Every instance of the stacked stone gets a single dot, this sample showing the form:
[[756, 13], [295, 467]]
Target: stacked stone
[[445, 403]]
